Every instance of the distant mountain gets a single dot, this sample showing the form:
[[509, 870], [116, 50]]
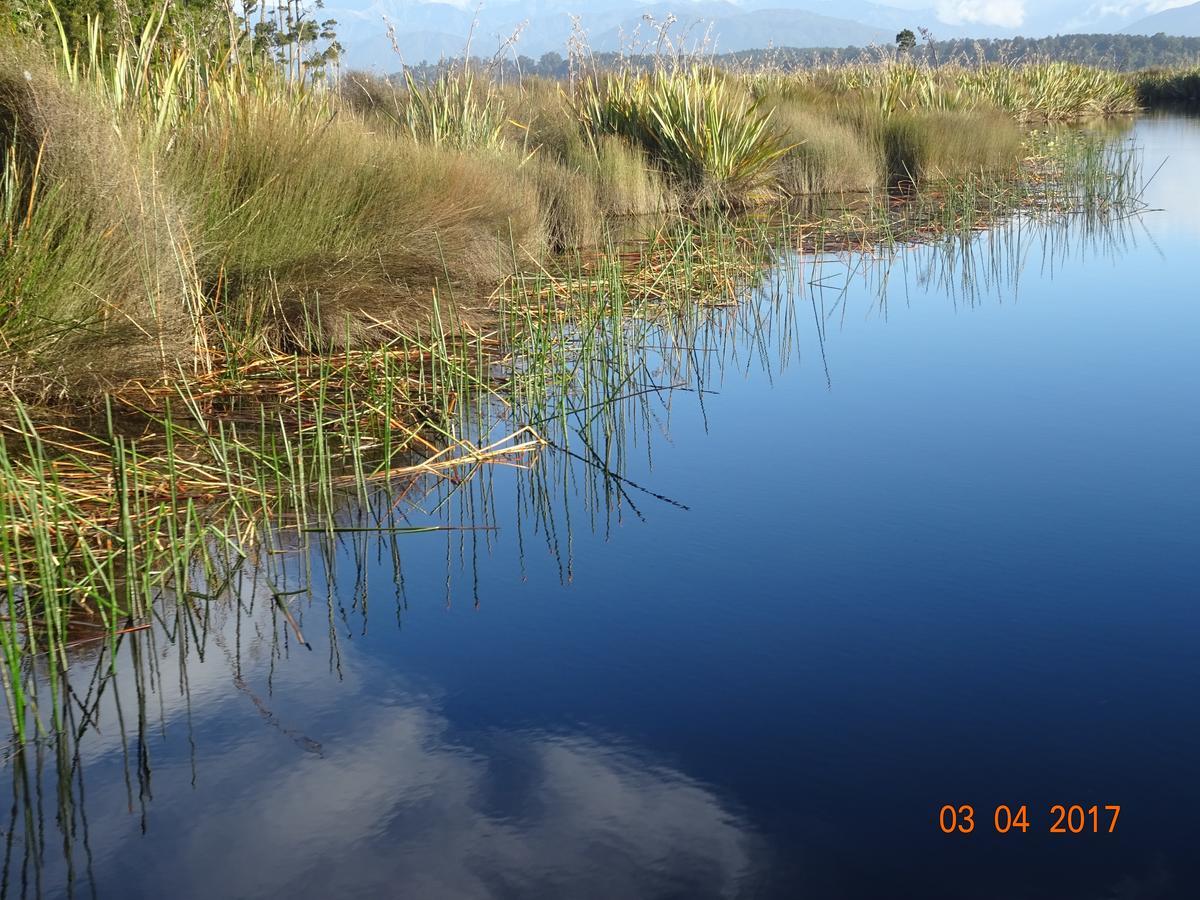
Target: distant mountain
[[726, 28], [431, 30], [1182, 20]]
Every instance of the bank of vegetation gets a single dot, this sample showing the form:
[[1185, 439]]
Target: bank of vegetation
[[269, 286], [161, 200]]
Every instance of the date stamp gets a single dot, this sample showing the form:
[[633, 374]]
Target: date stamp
[[1061, 819]]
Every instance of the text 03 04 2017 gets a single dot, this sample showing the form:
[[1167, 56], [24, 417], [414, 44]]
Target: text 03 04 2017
[[1060, 818]]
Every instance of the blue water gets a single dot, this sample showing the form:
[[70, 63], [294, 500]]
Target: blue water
[[939, 547]]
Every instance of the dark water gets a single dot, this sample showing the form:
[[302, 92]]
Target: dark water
[[939, 547]]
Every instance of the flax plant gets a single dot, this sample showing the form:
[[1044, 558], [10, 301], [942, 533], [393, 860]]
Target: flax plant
[[708, 132]]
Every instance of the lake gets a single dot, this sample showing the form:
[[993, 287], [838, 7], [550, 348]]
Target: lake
[[895, 536]]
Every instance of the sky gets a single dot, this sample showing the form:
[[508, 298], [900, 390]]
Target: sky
[[997, 13], [1014, 13]]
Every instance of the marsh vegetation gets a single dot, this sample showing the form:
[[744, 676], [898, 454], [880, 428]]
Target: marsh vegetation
[[234, 296]]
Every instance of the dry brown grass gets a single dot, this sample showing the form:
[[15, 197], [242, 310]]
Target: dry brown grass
[[324, 220], [96, 274], [826, 156]]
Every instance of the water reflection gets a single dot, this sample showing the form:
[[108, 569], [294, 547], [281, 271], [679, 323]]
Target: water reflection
[[318, 811], [280, 730]]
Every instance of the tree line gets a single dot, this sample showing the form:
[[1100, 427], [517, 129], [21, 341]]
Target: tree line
[[1123, 52]]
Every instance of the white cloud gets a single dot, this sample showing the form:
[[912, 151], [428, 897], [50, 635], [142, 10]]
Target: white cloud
[[1130, 10], [1005, 13], [1160, 5], [398, 806], [396, 800]]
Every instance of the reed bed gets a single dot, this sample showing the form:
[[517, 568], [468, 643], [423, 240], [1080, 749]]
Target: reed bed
[[1052, 91], [1168, 87]]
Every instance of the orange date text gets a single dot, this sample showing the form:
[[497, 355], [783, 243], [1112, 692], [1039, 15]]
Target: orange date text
[[1004, 819]]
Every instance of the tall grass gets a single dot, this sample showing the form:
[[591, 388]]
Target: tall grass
[[826, 155], [255, 199], [1053, 91], [1168, 87], [543, 125], [458, 110], [331, 221], [98, 282], [947, 145]]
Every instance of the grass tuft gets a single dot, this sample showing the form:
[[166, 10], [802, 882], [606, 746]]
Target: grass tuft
[[96, 280], [704, 129]]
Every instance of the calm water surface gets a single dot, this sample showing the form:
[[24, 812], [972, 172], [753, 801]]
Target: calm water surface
[[931, 538]]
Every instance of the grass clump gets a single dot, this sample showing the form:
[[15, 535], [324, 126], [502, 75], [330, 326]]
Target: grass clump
[[1053, 91], [344, 226], [627, 183], [544, 124], [704, 129], [571, 212], [922, 144], [458, 110], [825, 155], [95, 279]]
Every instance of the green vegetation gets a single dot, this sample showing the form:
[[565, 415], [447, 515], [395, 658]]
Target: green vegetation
[[1038, 91], [309, 218], [701, 127], [1116, 52], [238, 206], [1169, 87], [274, 292], [96, 283]]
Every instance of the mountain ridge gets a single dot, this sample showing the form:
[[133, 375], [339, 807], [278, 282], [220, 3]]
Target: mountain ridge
[[1182, 20]]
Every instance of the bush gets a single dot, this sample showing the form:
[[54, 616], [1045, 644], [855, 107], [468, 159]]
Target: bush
[[1170, 87]]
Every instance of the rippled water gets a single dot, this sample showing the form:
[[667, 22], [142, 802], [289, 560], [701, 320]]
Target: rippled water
[[906, 533]]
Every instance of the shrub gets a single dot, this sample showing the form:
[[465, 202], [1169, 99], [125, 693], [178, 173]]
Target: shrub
[[1168, 87]]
